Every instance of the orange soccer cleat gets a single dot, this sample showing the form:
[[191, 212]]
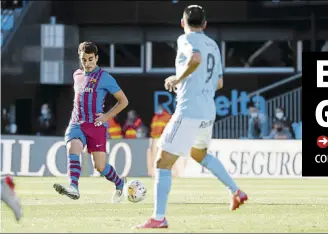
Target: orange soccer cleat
[[238, 199], [152, 223]]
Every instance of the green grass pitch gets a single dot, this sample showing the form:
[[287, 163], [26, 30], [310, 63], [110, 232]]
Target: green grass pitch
[[195, 205]]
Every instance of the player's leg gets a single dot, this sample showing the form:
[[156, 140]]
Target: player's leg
[[76, 141], [163, 180], [175, 141], [214, 165], [199, 154], [96, 143], [162, 187], [151, 155], [9, 196], [108, 171]]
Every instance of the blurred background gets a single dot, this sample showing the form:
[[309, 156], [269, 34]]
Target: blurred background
[[261, 44]]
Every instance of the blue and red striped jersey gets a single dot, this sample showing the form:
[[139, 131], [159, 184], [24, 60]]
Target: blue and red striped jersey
[[90, 90]]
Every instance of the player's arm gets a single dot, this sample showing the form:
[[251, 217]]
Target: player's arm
[[220, 83], [193, 55], [121, 104], [122, 101], [191, 65], [193, 60]]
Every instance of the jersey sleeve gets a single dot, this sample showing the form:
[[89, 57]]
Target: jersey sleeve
[[77, 73], [110, 83], [188, 43]]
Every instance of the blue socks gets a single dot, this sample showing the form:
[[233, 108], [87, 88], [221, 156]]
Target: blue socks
[[215, 166], [163, 181], [74, 170], [162, 187], [111, 175]]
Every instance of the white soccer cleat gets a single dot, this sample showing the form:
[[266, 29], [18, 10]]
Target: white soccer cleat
[[118, 194], [9, 196], [70, 191]]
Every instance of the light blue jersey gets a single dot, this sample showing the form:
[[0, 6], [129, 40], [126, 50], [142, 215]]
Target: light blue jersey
[[195, 94]]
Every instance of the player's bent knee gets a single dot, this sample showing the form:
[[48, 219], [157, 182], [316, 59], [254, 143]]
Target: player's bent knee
[[100, 160], [198, 154], [161, 164], [166, 160], [100, 168], [75, 146]]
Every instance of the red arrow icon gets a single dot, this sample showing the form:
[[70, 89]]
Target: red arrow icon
[[322, 142]]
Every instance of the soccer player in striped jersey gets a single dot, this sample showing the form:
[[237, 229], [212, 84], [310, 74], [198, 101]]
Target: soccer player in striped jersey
[[88, 124], [189, 131]]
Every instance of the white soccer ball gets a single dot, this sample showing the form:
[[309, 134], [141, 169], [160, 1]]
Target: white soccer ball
[[135, 191]]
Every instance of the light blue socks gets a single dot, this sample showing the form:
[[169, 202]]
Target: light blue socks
[[163, 181], [215, 166]]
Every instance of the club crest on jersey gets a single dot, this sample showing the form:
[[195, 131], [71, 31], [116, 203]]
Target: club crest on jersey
[[93, 80]]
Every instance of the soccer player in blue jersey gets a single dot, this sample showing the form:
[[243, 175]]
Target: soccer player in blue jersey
[[189, 131], [88, 124]]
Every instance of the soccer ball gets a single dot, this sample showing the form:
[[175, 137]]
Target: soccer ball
[[135, 191]]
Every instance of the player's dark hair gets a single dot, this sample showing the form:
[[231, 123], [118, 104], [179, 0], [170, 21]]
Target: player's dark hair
[[195, 15], [88, 48]]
